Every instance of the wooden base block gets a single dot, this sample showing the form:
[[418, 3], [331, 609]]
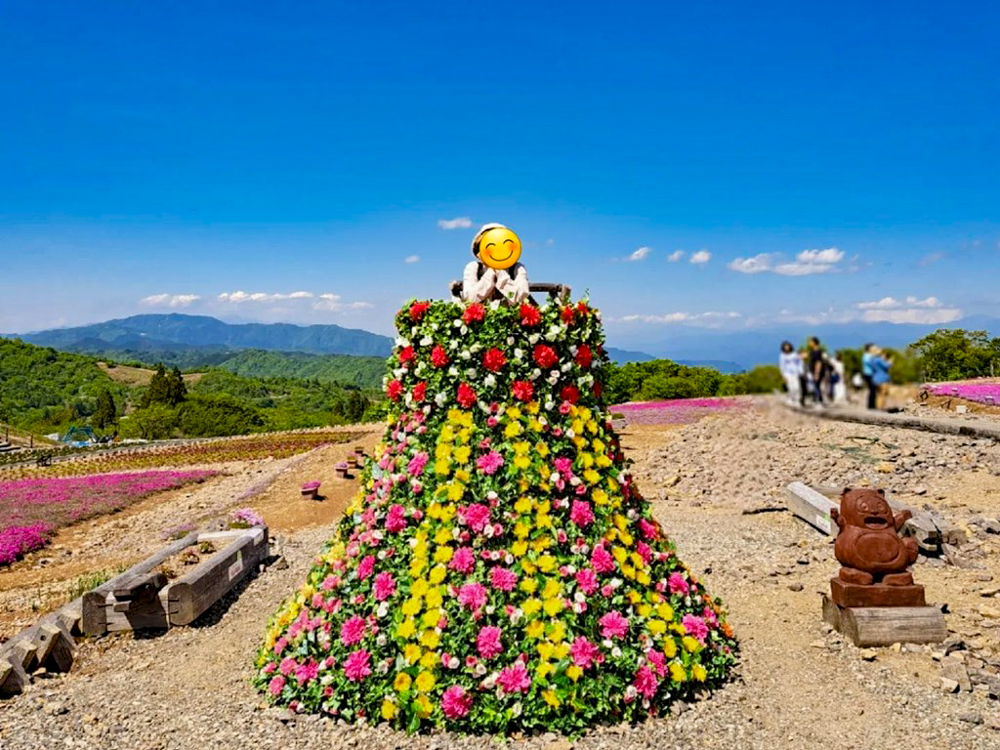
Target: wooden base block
[[13, 679], [883, 626], [876, 595]]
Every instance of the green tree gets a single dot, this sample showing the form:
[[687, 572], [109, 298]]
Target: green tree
[[176, 391], [106, 414], [957, 354], [153, 422], [157, 392]]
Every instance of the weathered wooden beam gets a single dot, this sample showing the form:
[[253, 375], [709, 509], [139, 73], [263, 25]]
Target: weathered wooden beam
[[193, 593], [55, 649], [883, 626], [94, 621], [139, 587], [812, 507], [13, 679]]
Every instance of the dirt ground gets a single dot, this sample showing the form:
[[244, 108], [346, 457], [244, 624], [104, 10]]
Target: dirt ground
[[714, 487]]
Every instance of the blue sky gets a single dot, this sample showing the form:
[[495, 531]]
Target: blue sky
[[778, 162]]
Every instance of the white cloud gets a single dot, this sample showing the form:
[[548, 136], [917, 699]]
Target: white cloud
[[756, 264], [705, 318], [810, 262], [240, 297], [412, 259], [675, 256], [329, 302], [169, 300], [928, 311], [460, 222], [700, 258], [639, 254]]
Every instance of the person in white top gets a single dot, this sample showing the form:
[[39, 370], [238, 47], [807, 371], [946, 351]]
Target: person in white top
[[792, 370], [495, 272]]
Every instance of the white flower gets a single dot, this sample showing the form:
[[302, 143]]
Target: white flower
[[579, 596], [441, 398], [427, 409], [476, 347], [453, 662], [453, 371], [490, 609], [383, 610], [466, 354], [434, 326], [457, 323], [607, 643], [518, 354], [578, 607], [489, 381], [509, 559], [510, 341], [516, 709], [492, 495], [570, 434], [566, 367], [616, 652], [533, 339], [401, 342], [453, 344], [631, 692], [554, 377], [464, 330], [427, 341], [471, 373], [554, 477], [488, 531], [399, 372]]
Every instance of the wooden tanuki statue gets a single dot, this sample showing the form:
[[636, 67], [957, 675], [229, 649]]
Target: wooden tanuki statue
[[873, 555]]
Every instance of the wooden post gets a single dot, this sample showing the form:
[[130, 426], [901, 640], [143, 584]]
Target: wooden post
[[812, 507], [883, 626]]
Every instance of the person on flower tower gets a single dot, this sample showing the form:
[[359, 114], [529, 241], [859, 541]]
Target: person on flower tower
[[495, 273]]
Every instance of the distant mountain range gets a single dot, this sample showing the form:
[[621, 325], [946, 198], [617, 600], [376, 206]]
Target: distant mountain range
[[622, 356], [151, 336]]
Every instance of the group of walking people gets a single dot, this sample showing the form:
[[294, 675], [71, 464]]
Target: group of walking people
[[812, 376]]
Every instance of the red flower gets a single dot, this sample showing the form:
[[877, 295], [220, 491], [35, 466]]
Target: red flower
[[598, 390], [530, 316], [439, 358], [545, 356], [584, 356], [582, 308], [417, 310], [570, 393], [407, 355], [475, 311], [567, 315], [394, 390], [494, 360], [466, 396], [420, 392], [523, 390]]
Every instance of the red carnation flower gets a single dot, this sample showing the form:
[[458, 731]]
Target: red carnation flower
[[582, 308], [570, 393], [567, 315], [439, 358], [417, 310], [407, 355], [475, 311], [523, 390], [584, 356], [545, 356], [494, 360], [394, 390], [466, 396], [420, 392], [530, 316]]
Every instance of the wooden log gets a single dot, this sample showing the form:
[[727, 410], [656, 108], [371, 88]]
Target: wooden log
[[147, 614], [25, 653], [139, 588], [189, 596], [812, 507], [55, 649], [883, 626], [13, 679], [93, 617], [71, 616]]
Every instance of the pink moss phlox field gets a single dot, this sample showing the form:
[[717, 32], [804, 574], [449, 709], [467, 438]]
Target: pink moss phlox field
[[678, 411], [979, 392], [32, 509]]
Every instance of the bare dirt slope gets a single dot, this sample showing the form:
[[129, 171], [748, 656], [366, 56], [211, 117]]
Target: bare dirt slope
[[798, 687]]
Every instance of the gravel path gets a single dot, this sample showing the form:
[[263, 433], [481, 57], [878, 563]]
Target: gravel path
[[798, 687]]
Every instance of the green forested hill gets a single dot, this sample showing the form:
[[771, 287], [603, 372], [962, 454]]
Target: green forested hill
[[365, 372]]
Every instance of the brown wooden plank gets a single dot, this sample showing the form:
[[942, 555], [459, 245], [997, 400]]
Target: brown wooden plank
[[13, 679], [55, 649], [140, 586], [192, 594], [812, 507], [883, 626]]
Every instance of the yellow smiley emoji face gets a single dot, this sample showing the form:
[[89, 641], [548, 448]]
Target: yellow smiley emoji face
[[499, 248]]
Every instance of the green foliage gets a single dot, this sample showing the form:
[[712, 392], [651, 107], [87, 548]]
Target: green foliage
[[165, 388], [218, 415], [662, 379], [105, 413], [154, 422], [957, 355], [365, 372], [176, 390]]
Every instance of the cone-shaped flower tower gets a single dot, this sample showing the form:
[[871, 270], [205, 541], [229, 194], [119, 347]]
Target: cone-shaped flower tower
[[499, 570]]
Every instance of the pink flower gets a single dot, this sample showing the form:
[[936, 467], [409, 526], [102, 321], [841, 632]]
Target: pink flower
[[353, 630], [514, 679], [383, 587], [276, 685], [695, 626], [645, 682], [658, 660], [455, 702], [503, 579], [602, 560], [584, 652], [472, 595], [581, 513], [710, 618], [306, 672], [356, 665], [488, 642], [462, 560], [395, 519], [489, 463], [613, 625], [365, 567], [287, 665], [648, 529], [475, 516], [586, 579], [416, 466], [678, 584]]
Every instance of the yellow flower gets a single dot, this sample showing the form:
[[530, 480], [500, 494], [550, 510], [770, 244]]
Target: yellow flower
[[546, 563], [545, 649], [535, 426], [657, 627], [442, 452], [637, 560], [417, 567], [430, 618], [557, 631], [434, 598], [531, 407], [513, 412], [644, 610], [600, 497], [411, 653], [587, 460], [411, 606], [699, 673], [665, 612], [531, 606], [690, 643], [438, 574], [577, 426], [634, 596], [527, 566], [388, 709], [461, 454], [541, 448], [425, 682], [419, 587], [534, 629], [529, 585], [447, 433], [429, 660], [512, 430], [543, 670], [442, 535], [521, 448], [669, 648], [519, 549], [643, 578], [462, 476], [552, 588], [619, 554], [626, 538], [406, 628], [603, 461], [521, 462], [552, 607], [598, 446], [455, 491], [574, 672], [443, 554], [523, 505], [677, 673], [424, 706], [550, 697], [430, 639], [442, 466], [521, 530], [562, 650], [402, 682]]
